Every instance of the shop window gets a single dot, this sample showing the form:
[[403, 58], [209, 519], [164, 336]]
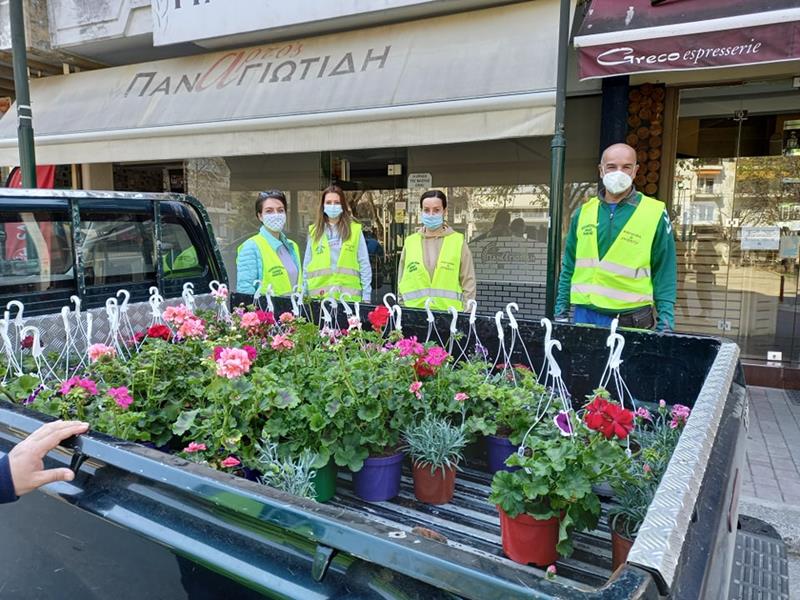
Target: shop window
[[704, 212], [117, 248], [35, 251], [705, 185]]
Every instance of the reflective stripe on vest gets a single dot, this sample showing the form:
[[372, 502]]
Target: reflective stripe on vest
[[622, 279], [444, 290], [272, 270], [345, 276]]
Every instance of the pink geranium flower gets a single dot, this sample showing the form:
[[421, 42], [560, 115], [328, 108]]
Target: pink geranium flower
[[281, 342], [414, 388], [192, 328], [176, 315], [121, 396], [231, 461], [251, 352], [436, 356], [410, 347], [286, 317], [250, 320], [644, 413], [460, 397], [98, 351], [353, 323], [85, 383], [232, 363], [195, 447]]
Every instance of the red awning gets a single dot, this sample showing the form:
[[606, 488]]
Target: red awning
[[632, 36]]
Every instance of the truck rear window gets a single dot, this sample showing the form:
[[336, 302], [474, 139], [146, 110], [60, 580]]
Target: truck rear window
[[118, 248], [35, 251]]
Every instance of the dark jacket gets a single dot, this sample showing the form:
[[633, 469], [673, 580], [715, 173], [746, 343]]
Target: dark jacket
[[6, 484]]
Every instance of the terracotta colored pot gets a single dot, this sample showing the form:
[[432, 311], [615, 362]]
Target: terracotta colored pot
[[620, 546], [436, 487], [529, 541]]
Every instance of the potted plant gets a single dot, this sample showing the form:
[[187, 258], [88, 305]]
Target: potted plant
[[551, 495], [634, 488], [512, 397], [435, 447]]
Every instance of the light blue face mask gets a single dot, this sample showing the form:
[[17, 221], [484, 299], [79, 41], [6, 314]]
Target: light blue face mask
[[432, 221], [333, 210]]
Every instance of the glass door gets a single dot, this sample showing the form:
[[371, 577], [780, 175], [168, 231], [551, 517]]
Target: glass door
[[736, 209]]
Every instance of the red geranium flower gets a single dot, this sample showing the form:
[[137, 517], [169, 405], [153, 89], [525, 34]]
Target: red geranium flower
[[621, 422], [159, 331], [423, 369], [265, 317], [608, 418], [27, 342], [378, 318]]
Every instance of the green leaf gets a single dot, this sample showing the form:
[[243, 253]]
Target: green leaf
[[185, 421], [369, 412]]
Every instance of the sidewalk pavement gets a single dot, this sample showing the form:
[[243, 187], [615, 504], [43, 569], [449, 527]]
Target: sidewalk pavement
[[771, 485]]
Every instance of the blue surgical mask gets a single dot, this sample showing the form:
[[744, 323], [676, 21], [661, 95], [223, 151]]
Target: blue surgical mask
[[432, 222], [333, 210]]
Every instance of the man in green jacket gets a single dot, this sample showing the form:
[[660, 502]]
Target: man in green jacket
[[619, 259]]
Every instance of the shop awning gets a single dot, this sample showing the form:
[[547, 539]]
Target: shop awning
[[477, 75], [642, 36]]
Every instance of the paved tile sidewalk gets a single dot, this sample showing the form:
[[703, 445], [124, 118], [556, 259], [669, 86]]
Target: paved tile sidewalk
[[773, 447]]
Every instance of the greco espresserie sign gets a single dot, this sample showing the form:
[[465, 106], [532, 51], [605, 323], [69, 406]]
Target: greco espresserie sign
[[618, 38], [177, 21]]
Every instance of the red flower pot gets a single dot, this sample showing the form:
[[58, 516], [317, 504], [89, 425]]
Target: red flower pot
[[529, 541], [436, 487], [620, 546]]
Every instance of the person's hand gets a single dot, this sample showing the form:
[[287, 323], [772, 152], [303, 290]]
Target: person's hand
[[26, 458]]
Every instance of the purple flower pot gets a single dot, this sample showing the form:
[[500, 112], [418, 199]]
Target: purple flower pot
[[379, 478], [499, 449]]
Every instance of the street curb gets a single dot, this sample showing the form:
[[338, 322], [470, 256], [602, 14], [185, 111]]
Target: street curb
[[784, 517]]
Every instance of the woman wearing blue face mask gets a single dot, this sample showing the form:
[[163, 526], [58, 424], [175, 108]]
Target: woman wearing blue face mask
[[269, 256], [336, 252], [436, 263]]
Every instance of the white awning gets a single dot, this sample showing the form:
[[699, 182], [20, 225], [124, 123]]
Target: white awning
[[487, 74]]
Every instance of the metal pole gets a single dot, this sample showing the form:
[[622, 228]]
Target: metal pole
[[19, 52], [558, 148]]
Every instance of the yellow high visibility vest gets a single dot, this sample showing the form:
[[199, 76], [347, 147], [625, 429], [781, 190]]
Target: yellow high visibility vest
[[416, 285], [272, 270], [184, 261], [621, 280], [345, 276]]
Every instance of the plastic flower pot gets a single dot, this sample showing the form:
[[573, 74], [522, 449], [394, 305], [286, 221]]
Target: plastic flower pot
[[436, 487], [325, 482], [499, 449], [620, 546], [529, 541], [379, 478]]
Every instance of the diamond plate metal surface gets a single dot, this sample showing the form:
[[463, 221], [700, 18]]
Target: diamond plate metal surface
[[760, 568], [663, 532], [51, 326]]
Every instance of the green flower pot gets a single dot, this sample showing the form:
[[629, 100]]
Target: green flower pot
[[325, 482]]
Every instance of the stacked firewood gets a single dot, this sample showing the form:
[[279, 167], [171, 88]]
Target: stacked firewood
[[645, 128]]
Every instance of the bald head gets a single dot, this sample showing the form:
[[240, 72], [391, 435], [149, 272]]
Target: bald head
[[619, 152], [619, 158]]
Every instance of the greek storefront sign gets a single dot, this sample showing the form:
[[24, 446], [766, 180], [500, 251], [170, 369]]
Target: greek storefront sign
[[406, 84]]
